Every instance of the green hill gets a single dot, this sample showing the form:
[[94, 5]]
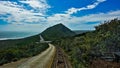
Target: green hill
[[56, 32]]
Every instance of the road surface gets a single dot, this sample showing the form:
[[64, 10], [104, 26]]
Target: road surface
[[43, 60]]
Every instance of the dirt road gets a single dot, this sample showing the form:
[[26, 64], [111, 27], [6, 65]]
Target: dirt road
[[42, 60]]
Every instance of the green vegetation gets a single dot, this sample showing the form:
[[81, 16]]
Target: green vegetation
[[13, 50], [56, 32], [83, 48]]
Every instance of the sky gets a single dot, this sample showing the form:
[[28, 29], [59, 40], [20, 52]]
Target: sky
[[37, 15]]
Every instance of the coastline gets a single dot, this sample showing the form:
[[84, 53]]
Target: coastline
[[2, 39], [15, 35]]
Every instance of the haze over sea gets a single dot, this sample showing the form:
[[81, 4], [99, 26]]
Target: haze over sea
[[4, 35]]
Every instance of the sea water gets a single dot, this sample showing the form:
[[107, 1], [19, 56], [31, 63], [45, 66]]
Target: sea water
[[4, 35]]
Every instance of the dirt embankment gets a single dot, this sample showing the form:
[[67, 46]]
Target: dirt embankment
[[60, 60], [104, 64]]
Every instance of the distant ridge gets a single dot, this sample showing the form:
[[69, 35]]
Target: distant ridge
[[56, 32], [81, 31]]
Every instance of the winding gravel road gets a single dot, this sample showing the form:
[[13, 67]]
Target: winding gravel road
[[42, 60]]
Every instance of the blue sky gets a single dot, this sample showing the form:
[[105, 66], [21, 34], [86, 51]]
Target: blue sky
[[37, 15]]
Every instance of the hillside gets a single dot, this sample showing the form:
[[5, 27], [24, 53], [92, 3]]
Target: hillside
[[83, 48], [13, 50], [56, 32]]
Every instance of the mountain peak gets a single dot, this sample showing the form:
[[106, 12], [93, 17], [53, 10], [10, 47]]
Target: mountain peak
[[60, 24], [57, 31]]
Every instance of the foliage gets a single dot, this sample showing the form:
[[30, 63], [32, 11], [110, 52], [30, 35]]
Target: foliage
[[84, 47], [13, 50]]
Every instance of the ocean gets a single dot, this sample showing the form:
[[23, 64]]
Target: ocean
[[4, 35]]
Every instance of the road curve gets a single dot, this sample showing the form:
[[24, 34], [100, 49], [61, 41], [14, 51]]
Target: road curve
[[43, 60], [40, 61]]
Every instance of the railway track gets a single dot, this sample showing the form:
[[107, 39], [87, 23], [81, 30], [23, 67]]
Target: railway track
[[60, 59]]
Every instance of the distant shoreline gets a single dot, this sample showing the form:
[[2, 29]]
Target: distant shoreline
[[2, 39], [8, 35]]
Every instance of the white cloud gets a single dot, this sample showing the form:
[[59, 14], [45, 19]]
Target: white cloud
[[39, 5], [68, 19], [101, 0], [74, 10], [100, 17], [18, 14]]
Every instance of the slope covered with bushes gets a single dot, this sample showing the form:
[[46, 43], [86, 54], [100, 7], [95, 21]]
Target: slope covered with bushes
[[82, 48], [13, 50]]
